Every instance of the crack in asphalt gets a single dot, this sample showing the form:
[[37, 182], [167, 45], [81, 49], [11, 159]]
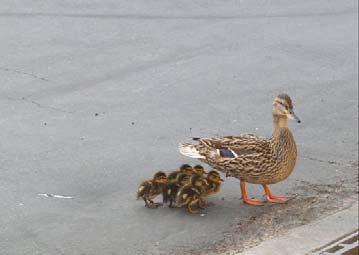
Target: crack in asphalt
[[330, 162], [175, 17], [25, 73], [122, 73], [48, 107], [39, 105]]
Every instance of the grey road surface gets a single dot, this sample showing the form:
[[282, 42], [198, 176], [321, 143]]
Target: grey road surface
[[96, 95]]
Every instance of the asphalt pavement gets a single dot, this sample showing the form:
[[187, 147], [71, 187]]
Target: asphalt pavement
[[96, 95]]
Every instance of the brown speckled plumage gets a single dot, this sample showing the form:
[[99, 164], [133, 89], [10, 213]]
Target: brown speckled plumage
[[249, 157], [260, 160]]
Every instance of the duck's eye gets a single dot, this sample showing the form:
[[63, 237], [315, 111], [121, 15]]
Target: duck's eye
[[283, 106]]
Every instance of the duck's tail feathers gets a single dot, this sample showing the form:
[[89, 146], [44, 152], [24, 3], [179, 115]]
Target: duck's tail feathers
[[189, 150]]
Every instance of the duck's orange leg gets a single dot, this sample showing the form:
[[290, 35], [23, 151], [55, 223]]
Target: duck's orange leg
[[246, 198], [272, 198]]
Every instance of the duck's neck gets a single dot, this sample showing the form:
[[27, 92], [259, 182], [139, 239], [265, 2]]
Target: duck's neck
[[284, 147], [283, 138], [279, 122]]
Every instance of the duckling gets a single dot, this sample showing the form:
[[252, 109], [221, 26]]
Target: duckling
[[185, 169], [200, 182], [190, 194], [150, 189], [214, 183], [213, 186], [198, 169], [174, 186]]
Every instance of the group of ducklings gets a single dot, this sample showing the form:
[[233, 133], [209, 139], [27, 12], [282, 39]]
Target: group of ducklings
[[184, 187]]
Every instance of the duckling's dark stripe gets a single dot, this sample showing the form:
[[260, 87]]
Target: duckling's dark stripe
[[225, 153]]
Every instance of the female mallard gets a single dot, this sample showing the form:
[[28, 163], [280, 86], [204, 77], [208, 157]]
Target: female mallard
[[252, 158]]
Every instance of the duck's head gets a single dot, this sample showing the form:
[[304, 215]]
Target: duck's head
[[182, 179], [198, 169], [283, 108], [186, 169], [198, 181], [160, 177], [213, 176]]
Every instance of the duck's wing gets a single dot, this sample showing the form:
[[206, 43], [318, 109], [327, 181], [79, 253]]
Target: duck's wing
[[234, 146]]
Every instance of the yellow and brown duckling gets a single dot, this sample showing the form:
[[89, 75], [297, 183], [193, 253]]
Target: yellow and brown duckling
[[173, 187], [150, 189], [184, 169], [190, 194], [214, 181], [213, 186], [199, 170]]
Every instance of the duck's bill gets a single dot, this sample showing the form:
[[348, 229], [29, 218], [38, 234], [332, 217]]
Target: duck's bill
[[221, 180], [294, 117]]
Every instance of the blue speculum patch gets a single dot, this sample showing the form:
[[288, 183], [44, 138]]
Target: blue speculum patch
[[226, 153]]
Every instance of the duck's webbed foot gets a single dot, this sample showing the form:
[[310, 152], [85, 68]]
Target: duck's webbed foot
[[252, 201], [192, 203], [277, 199], [171, 205], [272, 198], [151, 204], [205, 203], [246, 199]]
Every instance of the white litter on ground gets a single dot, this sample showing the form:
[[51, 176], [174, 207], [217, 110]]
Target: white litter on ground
[[52, 195]]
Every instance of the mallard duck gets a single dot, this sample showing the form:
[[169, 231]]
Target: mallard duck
[[184, 169], [190, 194], [199, 170], [150, 189], [174, 186], [252, 158]]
